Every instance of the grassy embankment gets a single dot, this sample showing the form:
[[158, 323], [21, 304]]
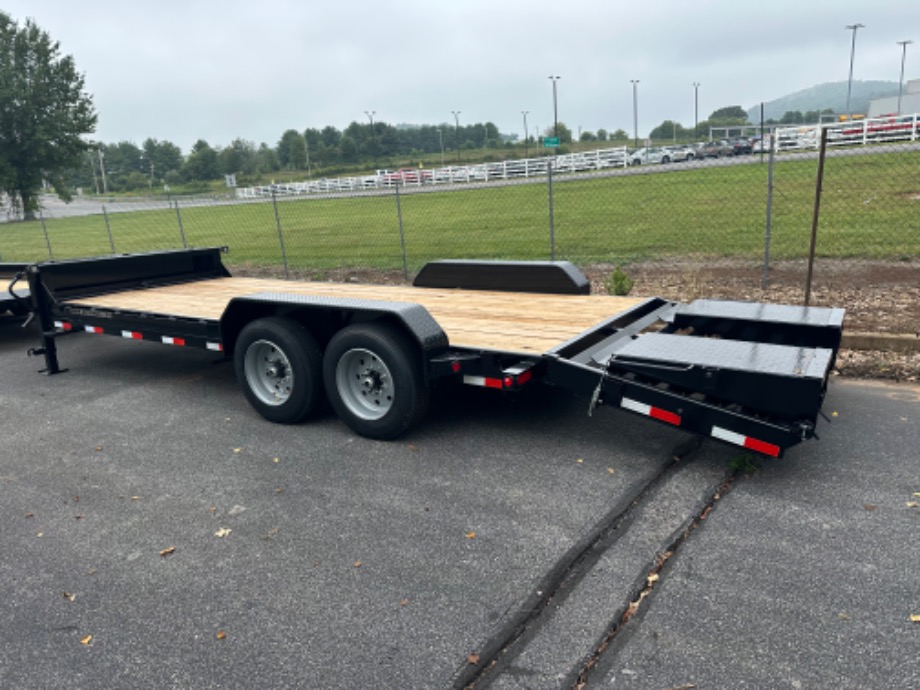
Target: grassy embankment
[[870, 209]]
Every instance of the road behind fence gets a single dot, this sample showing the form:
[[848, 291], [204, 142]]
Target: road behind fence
[[737, 226]]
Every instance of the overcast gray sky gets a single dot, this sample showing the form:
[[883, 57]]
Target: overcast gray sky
[[181, 71]]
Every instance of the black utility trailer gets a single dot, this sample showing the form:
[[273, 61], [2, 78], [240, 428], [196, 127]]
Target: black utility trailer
[[750, 374], [14, 292]]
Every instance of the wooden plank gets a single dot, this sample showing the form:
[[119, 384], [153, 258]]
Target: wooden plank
[[511, 321]]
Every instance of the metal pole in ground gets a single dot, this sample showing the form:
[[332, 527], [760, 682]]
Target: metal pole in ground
[[108, 228], [402, 234], [41, 217], [766, 242], [181, 228], [814, 220], [552, 223], [280, 234]]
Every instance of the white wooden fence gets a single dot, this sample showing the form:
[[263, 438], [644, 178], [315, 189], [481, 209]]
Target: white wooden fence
[[460, 174], [868, 131]]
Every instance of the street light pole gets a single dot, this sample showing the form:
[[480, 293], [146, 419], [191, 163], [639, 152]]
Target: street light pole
[[554, 79], [903, 45], [635, 83], [370, 116], [696, 110], [457, 132], [524, 113], [854, 28]]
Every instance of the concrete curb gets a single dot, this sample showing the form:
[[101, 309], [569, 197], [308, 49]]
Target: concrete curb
[[889, 342]]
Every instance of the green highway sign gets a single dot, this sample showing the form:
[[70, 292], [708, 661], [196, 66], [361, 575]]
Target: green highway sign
[[550, 142]]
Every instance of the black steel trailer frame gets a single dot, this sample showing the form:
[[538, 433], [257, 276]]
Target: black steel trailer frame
[[750, 374]]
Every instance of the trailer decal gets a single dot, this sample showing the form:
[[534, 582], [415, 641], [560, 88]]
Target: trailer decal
[[63, 325], [93, 329], [746, 441], [170, 340], [132, 335], [650, 411], [217, 347]]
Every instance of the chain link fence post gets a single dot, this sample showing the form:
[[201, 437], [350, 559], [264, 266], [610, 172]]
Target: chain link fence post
[[769, 227], [108, 228], [280, 235], [41, 217], [402, 234], [181, 227], [552, 222]]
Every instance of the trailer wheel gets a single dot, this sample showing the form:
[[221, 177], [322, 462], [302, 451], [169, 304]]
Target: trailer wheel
[[374, 379], [279, 365]]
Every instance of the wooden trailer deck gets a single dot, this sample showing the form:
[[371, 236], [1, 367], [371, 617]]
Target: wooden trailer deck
[[507, 321]]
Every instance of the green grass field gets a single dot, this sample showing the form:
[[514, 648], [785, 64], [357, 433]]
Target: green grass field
[[870, 209]]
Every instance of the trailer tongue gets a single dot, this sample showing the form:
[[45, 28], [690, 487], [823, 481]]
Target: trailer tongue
[[749, 374]]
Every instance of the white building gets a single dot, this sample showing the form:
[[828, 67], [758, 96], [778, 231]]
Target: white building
[[910, 102]]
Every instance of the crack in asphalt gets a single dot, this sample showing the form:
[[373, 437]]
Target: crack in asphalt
[[653, 577], [564, 577]]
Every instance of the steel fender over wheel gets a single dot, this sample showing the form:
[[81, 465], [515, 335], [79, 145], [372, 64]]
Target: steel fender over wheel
[[279, 365], [374, 380]]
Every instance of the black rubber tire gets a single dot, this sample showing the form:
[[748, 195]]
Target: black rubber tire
[[665, 160], [303, 394], [396, 362]]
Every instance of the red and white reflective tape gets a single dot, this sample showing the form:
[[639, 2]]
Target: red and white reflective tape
[[93, 329], [217, 347], [746, 441], [170, 340], [503, 383], [63, 325], [132, 335], [650, 411], [482, 381]]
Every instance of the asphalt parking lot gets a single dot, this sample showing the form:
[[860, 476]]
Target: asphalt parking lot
[[158, 533]]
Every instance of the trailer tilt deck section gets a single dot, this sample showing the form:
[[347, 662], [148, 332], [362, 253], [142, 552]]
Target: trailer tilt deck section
[[749, 374]]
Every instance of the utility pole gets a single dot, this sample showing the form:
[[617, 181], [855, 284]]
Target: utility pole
[[854, 28], [635, 84], [524, 113], [554, 79], [696, 110], [903, 45], [457, 132]]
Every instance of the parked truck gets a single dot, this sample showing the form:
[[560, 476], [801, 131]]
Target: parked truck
[[749, 374]]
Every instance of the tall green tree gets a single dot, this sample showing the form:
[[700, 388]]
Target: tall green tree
[[44, 112]]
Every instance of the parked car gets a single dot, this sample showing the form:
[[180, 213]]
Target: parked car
[[654, 154], [761, 145], [741, 146], [406, 176], [715, 149], [682, 153]]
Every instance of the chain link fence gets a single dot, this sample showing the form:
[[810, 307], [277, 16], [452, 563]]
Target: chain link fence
[[732, 226]]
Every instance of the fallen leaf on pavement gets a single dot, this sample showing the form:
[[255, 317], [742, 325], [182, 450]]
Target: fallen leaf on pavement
[[69, 597], [237, 450], [270, 534], [220, 635], [168, 550], [869, 506], [912, 504], [86, 640], [915, 618], [223, 532], [403, 602], [472, 659], [470, 535], [358, 564]]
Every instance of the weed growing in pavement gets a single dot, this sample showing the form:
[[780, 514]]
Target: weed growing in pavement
[[744, 463]]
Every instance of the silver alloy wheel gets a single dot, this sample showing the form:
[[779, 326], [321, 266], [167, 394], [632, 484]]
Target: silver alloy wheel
[[364, 383], [268, 372]]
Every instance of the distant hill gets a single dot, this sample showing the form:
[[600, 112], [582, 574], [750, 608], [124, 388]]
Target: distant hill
[[828, 95]]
